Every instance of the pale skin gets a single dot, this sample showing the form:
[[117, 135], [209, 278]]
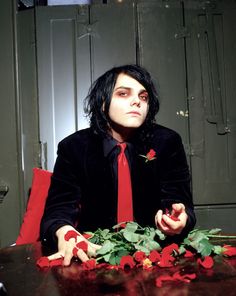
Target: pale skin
[[128, 110]]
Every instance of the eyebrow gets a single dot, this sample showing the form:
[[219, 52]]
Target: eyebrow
[[128, 88]]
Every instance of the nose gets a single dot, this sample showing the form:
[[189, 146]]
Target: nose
[[135, 100]]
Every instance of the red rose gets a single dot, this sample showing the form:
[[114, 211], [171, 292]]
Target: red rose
[[154, 256], [139, 256], [127, 261], [90, 264], [151, 154], [229, 251], [207, 262]]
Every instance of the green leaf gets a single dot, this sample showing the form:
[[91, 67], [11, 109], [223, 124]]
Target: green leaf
[[105, 232], [131, 227], [160, 235], [107, 257], [218, 250], [106, 247], [142, 248], [113, 259], [205, 248], [131, 236], [215, 231], [181, 250], [152, 245]]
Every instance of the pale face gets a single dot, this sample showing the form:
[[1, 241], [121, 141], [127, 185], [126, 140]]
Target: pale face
[[128, 108]]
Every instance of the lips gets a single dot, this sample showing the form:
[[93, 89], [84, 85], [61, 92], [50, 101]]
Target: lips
[[134, 113]]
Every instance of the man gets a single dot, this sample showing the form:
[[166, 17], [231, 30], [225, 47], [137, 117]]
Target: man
[[84, 191]]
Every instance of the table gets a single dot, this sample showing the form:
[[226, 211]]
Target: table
[[21, 276]]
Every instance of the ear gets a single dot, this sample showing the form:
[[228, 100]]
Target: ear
[[29, 231]]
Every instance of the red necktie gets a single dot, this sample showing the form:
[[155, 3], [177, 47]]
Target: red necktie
[[125, 204]]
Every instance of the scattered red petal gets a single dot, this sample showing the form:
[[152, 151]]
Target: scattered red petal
[[43, 262], [169, 249], [207, 262], [87, 235], [90, 264], [71, 234], [127, 261], [229, 251], [154, 256], [139, 256], [174, 218], [175, 277], [57, 262], [163, 278], [185, 277], [188, 254], [82, 245], [165, 263], [75, 251]]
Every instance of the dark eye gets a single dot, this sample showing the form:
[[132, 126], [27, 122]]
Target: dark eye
[[144, 98], [122, 94]]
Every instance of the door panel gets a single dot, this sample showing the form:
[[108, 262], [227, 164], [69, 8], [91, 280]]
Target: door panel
[[57, 60], [113, 37], [162, 52], [211, 71]]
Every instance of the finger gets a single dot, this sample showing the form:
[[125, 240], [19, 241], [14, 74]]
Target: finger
[[158, 217], [55, 256], [96, 247], [67, 258], [82, 255], [160, 222], [178, 207]]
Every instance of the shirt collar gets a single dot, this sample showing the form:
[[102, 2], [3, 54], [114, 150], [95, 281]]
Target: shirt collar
[[110, 144]]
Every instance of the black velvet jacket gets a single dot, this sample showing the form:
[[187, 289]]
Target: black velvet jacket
[[82, 191]]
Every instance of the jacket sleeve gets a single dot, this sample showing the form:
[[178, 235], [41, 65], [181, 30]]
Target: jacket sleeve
[[62, 205], [175, 180]]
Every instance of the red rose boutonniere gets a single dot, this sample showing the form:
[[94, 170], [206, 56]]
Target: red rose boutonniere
[[151, 155]]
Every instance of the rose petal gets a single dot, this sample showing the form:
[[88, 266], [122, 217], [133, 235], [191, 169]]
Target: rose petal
[[207, 262], [56, 262], [83, 246], [43, 262], [154, 256], [127, 261], [139, 256], [90, 264], [71, 234], [188, 254], [229, 251]]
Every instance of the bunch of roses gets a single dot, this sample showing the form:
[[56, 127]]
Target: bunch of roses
[[134, 246], [137, 247]]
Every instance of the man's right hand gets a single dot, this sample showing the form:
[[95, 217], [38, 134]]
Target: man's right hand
[[66, 247]]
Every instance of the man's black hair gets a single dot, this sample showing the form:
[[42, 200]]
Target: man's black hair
[[98, 101]]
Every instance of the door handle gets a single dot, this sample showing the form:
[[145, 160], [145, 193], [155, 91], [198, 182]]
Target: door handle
[[3, 192]]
